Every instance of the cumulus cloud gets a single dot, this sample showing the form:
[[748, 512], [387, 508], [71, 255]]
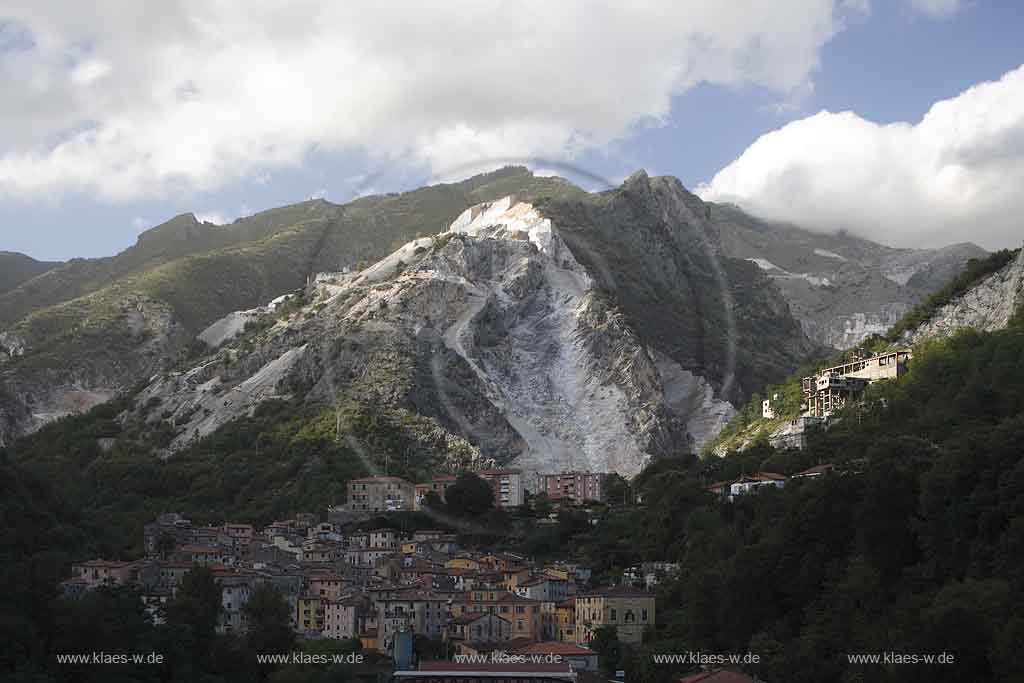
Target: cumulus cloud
[[957, 171], [132, 100]]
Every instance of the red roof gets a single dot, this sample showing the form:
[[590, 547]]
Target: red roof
[[556, 647], [616, 592], [562, 667], [370, 480], [719, 676], [816, 470], [110, 564]]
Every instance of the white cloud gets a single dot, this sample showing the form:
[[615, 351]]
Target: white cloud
[[189, 94], [89, 71], [139, 224], [937, 8], [956, 172]]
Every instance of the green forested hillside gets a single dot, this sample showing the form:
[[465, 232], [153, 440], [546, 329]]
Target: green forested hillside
[[914, 544]]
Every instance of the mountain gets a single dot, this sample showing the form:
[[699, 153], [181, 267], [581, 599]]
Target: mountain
[[696, 296], [578, 330], [842, 289], [91, 328], [17, 268], [592, 331]]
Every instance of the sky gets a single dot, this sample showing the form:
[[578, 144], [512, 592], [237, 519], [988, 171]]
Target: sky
[[899, 120]]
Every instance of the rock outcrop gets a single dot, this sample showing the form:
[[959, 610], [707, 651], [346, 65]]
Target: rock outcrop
[[841, 288], [987, 306]]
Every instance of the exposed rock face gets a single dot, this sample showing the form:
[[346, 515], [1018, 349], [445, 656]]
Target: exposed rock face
[[135, 342], [515, 343], [575, 331], [986, 306], [842, 289]]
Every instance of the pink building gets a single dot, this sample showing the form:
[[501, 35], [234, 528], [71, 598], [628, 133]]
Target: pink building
[[573, 487]]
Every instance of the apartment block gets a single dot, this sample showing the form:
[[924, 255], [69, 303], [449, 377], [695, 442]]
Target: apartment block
[[380, 494], [507, 486], [573, 487]]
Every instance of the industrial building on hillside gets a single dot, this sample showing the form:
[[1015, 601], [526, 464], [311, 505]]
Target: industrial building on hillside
[[832, 388]]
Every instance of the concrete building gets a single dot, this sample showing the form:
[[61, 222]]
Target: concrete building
[[523, 613], [341, 618], [424, 612], [573, 487], [750, 483], [795, 433], [832, 388], [507, 486], [380, 494], [235, 590], [629, 610]]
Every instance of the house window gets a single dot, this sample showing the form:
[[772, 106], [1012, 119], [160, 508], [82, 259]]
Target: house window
[[643, 615], [613, 616]]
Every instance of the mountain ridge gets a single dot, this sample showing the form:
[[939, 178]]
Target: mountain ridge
[[65, 357]]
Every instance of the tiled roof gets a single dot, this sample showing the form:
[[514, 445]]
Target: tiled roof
[[556, 647], [562, 667], [107, 564], [616, 592], [719, 676]]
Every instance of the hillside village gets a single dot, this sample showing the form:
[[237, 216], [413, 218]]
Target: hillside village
[[384, 587]]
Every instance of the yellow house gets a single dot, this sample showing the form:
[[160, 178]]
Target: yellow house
[[513, 576], [369, 639], [462, 563], [565, 621], [310, 613], [409, 547], [629, 610]]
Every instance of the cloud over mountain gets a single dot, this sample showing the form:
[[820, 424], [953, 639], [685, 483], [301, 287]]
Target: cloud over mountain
[[905, 184], [129, 101]]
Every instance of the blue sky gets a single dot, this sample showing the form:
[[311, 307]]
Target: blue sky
[[108, 135]]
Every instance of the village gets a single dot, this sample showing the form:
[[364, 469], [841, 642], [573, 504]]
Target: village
[[491, 613], [384, 587]]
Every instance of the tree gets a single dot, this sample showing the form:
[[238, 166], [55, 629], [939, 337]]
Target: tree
[[469, 497], [616, 489], [608, 648], [270, 632], [196, 607], [541, 505], [432, 501]]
